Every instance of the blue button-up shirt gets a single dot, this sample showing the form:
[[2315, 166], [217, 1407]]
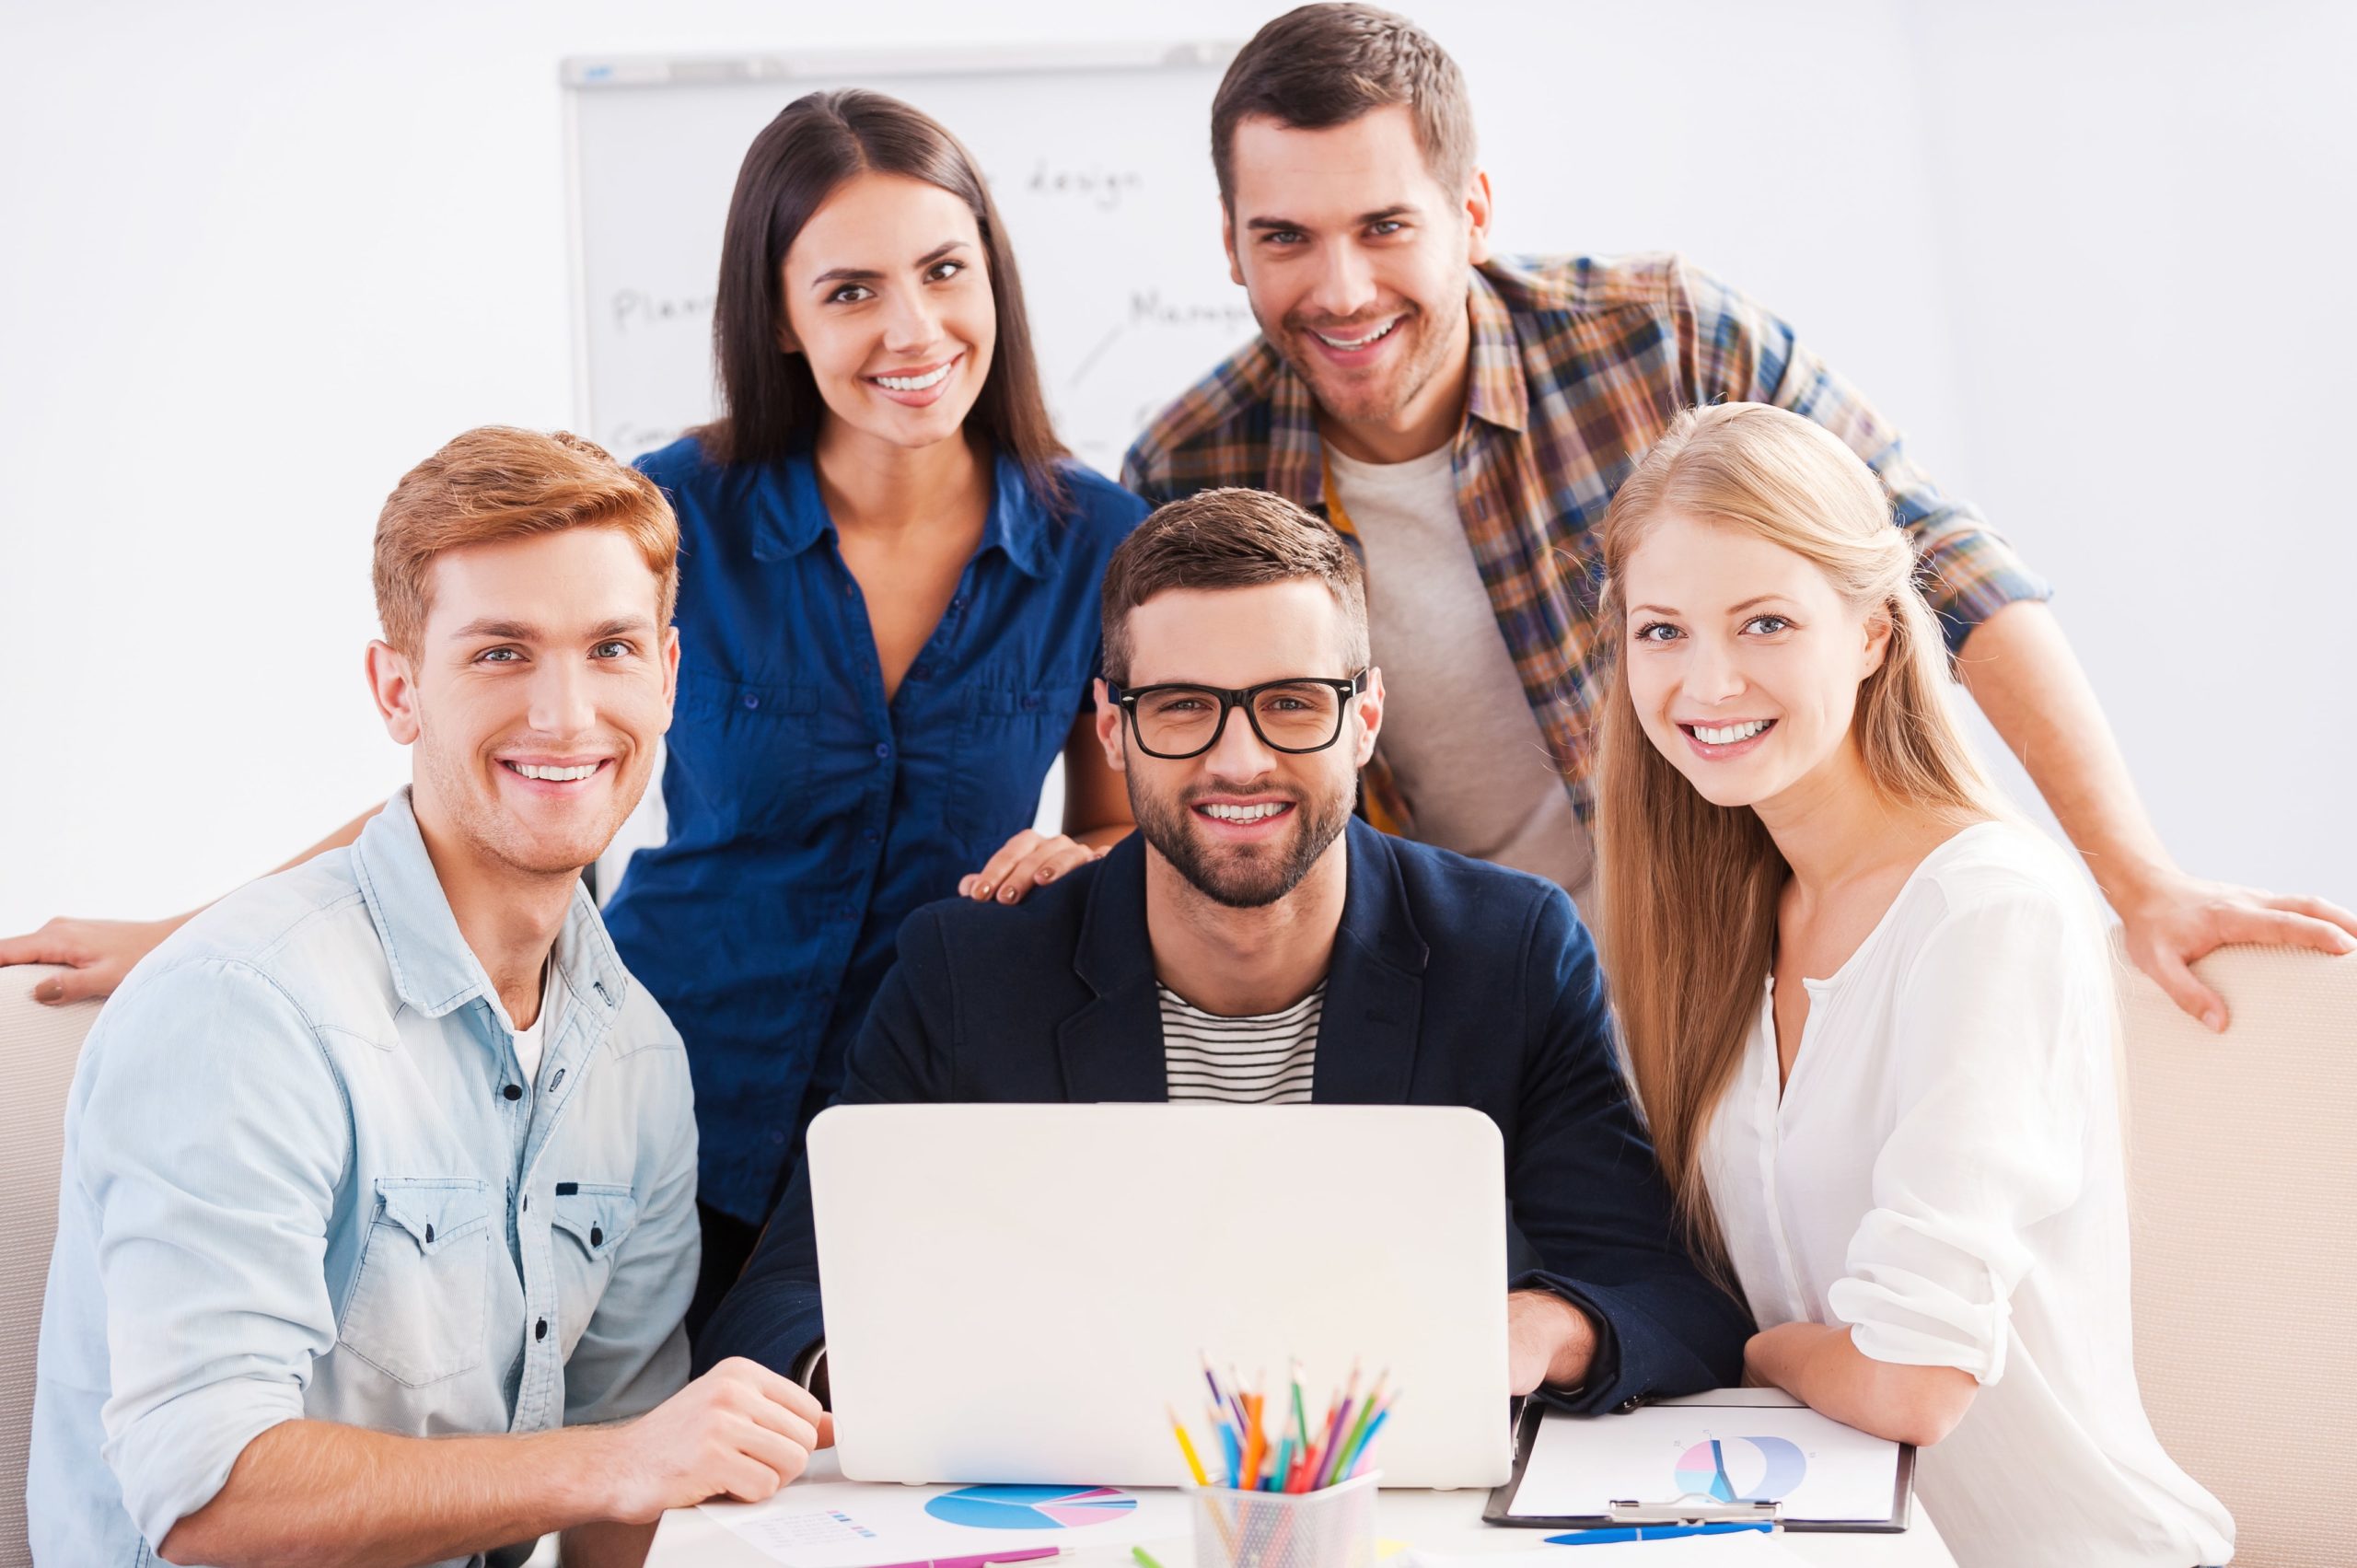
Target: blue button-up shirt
[[296, 1185], [810, 816]]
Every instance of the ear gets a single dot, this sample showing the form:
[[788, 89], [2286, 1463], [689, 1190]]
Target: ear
[[1879, 627], [786, 342], [670, 673], [394, 686], [1370, 705], [1478, 212], [1227, 243], [1110, 734]]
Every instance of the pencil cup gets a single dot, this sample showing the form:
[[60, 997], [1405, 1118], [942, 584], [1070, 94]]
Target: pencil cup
[[1332, 1528]]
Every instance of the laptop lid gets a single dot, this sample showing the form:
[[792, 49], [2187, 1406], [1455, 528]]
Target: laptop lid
[[1014, 1293]]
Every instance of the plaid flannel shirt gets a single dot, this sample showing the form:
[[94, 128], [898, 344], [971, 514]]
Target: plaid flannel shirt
[[1578, 365]]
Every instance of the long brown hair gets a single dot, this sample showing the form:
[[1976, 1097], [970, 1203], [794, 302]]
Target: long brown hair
[[1689, 888], [768, 400]]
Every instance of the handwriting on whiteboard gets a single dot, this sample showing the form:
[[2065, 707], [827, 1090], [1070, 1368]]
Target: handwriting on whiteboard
[[636, 307], [1098, 186]]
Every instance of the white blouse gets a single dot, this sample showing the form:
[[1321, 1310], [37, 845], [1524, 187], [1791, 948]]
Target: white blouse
[[1942, 1173]]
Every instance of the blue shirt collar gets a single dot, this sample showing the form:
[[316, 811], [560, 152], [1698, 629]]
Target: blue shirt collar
[[789, 514], [433, 969]]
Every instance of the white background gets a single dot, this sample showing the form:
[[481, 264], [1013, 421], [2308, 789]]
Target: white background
[[257, 260]]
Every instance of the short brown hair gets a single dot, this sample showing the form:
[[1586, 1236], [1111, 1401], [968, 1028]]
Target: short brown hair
[[1326, 64], [498, 483], [1230, 538]]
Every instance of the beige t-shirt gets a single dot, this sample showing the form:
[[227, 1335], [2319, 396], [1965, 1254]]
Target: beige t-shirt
[[1457, 728]]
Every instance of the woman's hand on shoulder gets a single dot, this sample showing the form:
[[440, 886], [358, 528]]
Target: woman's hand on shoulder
[[1028, 859], [97, 954]]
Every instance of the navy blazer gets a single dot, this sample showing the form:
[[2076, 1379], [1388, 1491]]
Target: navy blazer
[[1454, 983]]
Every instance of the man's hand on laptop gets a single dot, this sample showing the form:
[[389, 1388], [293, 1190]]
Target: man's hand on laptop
[[739, 1431], [1549, 1342]]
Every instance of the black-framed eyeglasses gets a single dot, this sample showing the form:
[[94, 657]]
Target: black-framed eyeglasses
[[1175, 721]]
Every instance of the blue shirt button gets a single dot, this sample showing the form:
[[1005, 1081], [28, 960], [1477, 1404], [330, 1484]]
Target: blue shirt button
[[920, 670], [1030, 700], [868, 835], [751, 701], [883, 752], [777, 1135]]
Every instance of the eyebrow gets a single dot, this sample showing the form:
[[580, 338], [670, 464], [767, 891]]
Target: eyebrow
[[523, 632], [1381, 215], [869, 274], [1732, 609]]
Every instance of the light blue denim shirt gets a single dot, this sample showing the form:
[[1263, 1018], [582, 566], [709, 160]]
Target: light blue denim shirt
[[304, 1177]]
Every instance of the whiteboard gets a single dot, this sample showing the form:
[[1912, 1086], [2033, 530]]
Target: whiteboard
[[1099, 161]]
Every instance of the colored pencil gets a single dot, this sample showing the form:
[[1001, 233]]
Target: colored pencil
[[1359, 1453], [1186, 1446]]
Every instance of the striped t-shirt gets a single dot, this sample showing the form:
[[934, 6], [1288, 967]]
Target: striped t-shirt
[[1267, 1060]]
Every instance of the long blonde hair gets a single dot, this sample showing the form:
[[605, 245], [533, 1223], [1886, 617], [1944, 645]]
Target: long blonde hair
[[1689, 888]]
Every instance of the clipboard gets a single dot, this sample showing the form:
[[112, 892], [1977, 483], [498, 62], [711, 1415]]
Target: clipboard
[[1721, 1409]]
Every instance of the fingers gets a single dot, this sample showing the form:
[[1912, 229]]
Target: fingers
[[2324, 911], [1044, 864], [1028, 859], [779, 1455], [776, 1388], [2193, 998], [826, 1429], [77, 985], [54, 943], [985, 884], [2278, 927]]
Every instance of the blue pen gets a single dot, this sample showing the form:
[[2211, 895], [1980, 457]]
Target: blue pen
[[1656, 1532]]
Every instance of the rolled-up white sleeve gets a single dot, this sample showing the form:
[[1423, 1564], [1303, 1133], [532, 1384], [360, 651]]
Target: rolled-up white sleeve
[[209, 1144], [1997, 1028]]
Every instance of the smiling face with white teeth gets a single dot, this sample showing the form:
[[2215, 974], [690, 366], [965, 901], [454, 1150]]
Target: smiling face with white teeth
[[1355, 259], [541, 687], [1744, 660], [1243, 824], [887, 298]]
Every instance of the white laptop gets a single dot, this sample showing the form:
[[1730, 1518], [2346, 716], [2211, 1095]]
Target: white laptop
[[1014, 1293]]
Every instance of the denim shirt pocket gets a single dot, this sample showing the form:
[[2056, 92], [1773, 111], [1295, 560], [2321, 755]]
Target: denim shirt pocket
[[1006, 741], [746, 749], [417, 1309], [597, 1216]]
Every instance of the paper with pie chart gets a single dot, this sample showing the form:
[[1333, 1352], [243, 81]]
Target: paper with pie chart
[[1817, 1469], [839, 1524]]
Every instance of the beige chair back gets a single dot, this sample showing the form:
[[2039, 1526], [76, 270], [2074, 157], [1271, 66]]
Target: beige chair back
[[38, 1048], [2242, 1175]]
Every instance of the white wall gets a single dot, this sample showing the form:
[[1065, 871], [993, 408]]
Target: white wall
[[256, 260]]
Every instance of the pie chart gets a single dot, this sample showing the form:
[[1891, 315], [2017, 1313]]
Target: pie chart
[[1743, 1469], [1030, 1507]]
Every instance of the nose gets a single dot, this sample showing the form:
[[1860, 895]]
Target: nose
[[1240, 754], [1714, 674], [1345, 281], [911, 323], [562, 704]]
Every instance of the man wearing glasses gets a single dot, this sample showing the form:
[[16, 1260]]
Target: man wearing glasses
[[1202, 958]]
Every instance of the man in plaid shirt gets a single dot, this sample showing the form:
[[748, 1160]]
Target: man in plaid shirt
[[1466, 418]]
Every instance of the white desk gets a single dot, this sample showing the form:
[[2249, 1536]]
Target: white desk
[[1436, 1521]]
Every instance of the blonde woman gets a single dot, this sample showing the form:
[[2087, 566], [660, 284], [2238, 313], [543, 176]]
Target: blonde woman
[[1868, 1012]]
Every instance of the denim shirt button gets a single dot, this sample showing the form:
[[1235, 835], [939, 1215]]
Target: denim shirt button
[[512, 1092], [540, 1329], [883, 752], [752, 700]]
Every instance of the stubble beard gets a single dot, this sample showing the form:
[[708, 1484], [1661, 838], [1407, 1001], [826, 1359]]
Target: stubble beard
[[1243, 879]]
